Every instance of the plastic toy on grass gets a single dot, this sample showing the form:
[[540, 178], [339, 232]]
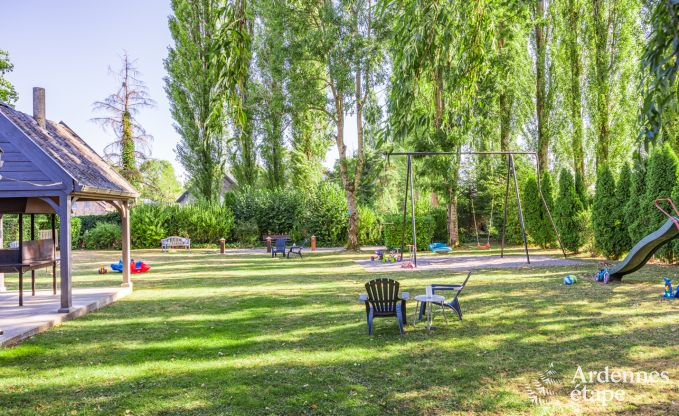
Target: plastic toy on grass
[[135, 267], [570, 279], [389, 257], [103, 270], [603, 275], [668, 289], [440, 248]]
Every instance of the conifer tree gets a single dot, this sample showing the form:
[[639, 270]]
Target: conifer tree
[[661, 178], [603, 214], [622, 196], [567, 212], [634, 221], [538, 226]]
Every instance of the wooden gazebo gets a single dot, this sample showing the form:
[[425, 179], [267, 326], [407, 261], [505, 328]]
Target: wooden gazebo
[[46, 168]]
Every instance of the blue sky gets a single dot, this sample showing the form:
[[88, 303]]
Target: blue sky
[[67, 47]]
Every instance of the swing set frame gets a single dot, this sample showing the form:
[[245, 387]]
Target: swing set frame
[[511, 173]]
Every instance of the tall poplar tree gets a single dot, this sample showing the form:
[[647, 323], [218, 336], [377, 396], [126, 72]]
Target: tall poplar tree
[[206, 84]]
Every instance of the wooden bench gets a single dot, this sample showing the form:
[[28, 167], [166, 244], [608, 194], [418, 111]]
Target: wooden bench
[[173, 242], [32, 255]]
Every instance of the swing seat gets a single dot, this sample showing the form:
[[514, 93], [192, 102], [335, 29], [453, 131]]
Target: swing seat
[[440, 248], [483, 247]]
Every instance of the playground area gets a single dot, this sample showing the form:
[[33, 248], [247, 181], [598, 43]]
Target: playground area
[[471, 261], [204, 332]]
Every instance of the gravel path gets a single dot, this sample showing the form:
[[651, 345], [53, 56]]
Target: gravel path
[[461, 263]]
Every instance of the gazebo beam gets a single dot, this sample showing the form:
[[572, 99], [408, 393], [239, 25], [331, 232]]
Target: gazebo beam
[[65, 253], [125, 229], [123, 208], [3, 288]]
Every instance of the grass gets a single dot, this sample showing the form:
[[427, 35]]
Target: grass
[[206, 334]]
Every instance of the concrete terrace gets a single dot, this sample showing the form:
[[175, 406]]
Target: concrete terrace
[[39, 312]]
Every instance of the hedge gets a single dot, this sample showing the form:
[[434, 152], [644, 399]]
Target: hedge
[[42, 222], [201, 222], [102, 237], [393, 230]]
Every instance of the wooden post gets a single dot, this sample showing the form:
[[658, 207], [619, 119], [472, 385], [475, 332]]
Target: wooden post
[[125, 224], [3, 288], [65, 253], [54, 248], [32, 238], [21, 259]]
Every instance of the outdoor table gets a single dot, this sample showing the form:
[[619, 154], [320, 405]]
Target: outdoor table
[[429, 300]]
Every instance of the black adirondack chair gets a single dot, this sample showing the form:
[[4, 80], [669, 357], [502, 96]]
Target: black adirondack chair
[[279, 248], [453, 304], [383, 301], [297, 249]]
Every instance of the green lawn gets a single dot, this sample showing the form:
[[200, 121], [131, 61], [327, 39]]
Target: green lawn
[[248, 335]]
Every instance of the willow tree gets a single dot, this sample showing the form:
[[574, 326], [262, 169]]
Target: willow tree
[[311, 128], [206, 83], [337, 40], [439, 56], [131, 144]]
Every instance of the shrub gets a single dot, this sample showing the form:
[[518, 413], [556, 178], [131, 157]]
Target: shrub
[[325, 215], [147, 223], [567, 213], [274, 211], [103, 236], [369, 226], [607, 216], [76, 236], [247, 233], [90, 221], [206, 222], [538, 226], [393, 230]]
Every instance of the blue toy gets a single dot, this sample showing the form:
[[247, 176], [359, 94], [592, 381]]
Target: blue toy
[[440, 248], [570, 279], [668, 289], [118, 267], [602, 275]]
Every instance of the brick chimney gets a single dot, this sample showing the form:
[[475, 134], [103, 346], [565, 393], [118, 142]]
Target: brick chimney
[[39, 106]]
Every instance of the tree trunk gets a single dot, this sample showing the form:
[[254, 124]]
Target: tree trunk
[[453, 233], [540, 93]]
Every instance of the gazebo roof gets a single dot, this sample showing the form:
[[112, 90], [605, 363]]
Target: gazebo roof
[[54, 158]]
